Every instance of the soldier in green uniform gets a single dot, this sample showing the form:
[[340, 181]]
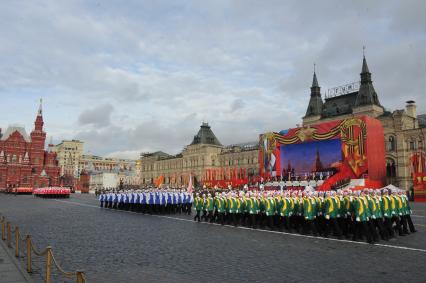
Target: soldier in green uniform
[[198, 205], [261, 211], [341, 214], [269, 203], [294, 221], [219, 204], [349, 223], [378, 214], [299, 212], [232, 208], [287, 210], [204, 216], [279, 199], [331, 210], [320, 220], [407, 212], [309, 213], [401, 208], [240, 207], [387, 212], [373, 210], [396, 211], [245, 209], [210, 207], [361, 212], [252, 206]]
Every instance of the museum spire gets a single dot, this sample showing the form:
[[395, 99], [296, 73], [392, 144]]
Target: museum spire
[[40, 108], [39, 119]]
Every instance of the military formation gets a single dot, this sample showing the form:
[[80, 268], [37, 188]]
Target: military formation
[[363, 214], [149, 200]]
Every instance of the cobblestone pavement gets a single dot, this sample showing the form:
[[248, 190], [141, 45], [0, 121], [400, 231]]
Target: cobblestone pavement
[[116, 246], [10, 269]]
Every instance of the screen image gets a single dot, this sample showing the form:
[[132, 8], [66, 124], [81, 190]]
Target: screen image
[[308, 157]]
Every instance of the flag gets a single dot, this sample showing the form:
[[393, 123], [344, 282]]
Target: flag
[[158, 182], [190, 184]]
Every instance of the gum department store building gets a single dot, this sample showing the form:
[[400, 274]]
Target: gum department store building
[[204, 153], [404, 129], [404, 136]]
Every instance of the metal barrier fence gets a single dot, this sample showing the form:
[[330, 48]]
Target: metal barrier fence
[[6, 235]]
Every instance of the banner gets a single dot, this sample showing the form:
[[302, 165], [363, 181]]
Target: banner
[[331, 151], [417, 164]]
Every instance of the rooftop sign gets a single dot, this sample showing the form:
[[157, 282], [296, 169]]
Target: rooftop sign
[[343, 89]]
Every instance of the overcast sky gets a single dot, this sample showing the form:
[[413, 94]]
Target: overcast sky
[[132, 76]]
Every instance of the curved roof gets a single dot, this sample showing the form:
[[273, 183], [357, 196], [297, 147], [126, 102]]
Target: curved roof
[[11, 129]]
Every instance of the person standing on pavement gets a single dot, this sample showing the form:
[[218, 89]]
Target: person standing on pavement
[[198, 205]]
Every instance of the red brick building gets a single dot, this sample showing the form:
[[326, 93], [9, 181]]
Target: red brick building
[[83, 183], [24, 162]]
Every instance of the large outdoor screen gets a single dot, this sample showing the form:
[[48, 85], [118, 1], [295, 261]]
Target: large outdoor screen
[[306, 158]]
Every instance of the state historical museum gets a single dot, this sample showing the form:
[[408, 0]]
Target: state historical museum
[[24, 162]]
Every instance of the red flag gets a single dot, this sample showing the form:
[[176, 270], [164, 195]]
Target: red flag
[[189, 190]]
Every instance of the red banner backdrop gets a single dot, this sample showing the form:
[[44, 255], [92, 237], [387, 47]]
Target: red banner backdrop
[[224, 177], [419, 186], [362, 149], [418, 171]]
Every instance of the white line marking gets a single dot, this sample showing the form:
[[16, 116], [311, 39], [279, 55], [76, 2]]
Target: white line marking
[[414, 215], [257, 230]]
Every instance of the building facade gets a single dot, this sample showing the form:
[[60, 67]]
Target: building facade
[[78, 168], [24, 162], [405, 131], [72, 161], [90, 163], [105, 172], [205, 153], [102, 180], [68, 154]]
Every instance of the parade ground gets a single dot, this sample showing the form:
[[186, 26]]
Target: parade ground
[[120, 246]]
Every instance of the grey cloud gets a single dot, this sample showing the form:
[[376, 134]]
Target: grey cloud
[[103, 140], [244, 66], [99, 116], [237, 104]]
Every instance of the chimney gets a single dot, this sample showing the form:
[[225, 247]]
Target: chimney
[[410, 108]]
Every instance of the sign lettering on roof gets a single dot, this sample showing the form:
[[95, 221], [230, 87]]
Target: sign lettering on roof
[[343, 89]]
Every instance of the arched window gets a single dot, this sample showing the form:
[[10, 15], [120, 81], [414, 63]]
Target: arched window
[[390, 168], [391, 143], [412, 144]]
